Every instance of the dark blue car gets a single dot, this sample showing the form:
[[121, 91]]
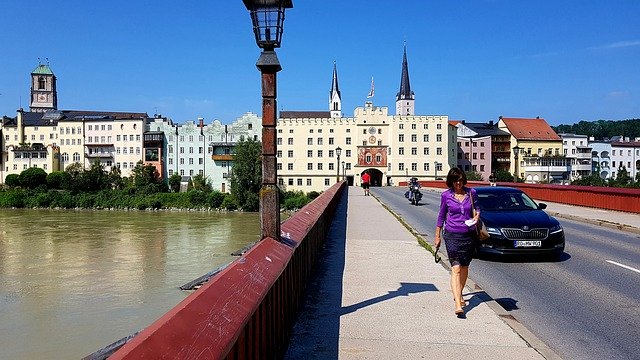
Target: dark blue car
[[517, 225]]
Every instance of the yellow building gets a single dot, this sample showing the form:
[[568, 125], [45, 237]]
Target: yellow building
[[316, 148]]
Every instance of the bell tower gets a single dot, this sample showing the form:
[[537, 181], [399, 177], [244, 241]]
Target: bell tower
[[405, 99], [44, 95]]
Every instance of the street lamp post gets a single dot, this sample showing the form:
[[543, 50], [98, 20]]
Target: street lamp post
[[267, 17], [516, 151], [343, 173], [435, 168], [338, 152]]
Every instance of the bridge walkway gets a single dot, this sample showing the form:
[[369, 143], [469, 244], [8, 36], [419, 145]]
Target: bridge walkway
[[379, 295]]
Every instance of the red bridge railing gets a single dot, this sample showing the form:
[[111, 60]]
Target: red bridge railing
[[619, 199], [247, 310]]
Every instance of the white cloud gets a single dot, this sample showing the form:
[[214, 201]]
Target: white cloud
[[617, 94], [617, 45]]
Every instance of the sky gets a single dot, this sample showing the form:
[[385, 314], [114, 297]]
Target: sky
[[474, 60]]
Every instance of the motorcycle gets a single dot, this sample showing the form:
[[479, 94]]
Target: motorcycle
[[413, 194]]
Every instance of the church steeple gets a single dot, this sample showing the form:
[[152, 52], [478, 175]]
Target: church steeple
[[44, 95], [405, 101], [335, 100]]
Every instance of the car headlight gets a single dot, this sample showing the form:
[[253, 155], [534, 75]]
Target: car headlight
[[493, 230], [556, 229]]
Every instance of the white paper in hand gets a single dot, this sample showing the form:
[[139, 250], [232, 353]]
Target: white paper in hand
[[470, 222]]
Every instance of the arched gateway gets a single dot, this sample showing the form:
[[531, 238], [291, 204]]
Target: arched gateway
[[376, 176]]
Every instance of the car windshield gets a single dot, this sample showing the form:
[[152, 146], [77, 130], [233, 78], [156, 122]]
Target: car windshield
[[506, 201]]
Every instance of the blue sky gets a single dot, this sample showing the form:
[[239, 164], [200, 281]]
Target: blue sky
[[565, 61]]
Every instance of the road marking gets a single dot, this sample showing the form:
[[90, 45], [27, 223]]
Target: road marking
[[624, 266]]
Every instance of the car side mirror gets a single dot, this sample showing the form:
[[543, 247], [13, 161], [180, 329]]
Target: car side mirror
[[542, 206]]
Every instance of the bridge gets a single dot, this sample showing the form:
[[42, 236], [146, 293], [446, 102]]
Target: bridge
[[378, 293]]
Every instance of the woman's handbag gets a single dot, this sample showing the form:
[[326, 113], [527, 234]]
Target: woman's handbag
[[483, 234]]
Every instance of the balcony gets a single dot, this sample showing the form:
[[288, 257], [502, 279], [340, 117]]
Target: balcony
[[222, 157], [99, 155]]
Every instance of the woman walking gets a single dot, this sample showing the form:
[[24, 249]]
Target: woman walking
[[456, 207]]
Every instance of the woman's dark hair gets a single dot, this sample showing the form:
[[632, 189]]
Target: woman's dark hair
[[454, 175]]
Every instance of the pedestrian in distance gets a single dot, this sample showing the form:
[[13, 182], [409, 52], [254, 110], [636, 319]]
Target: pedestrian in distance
[[457, 219], [366, 179]]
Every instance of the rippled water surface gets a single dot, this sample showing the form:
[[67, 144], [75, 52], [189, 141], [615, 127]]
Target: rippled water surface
[[72, 282]]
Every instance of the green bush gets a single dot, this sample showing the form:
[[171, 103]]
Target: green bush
[[12, 198], [215, 199], [57, 179], [33, 177], [12, 180], [63, 200], [230, 203]]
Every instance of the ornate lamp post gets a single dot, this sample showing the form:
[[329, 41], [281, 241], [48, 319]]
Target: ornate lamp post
[[343, 173], [267, 17], [516, 151], [338, 152], [435, 168]]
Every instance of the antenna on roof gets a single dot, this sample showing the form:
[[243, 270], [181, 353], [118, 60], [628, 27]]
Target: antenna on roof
[[39, 62], [47, 61]]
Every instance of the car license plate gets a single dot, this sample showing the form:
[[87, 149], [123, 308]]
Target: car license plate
[[527, 243]]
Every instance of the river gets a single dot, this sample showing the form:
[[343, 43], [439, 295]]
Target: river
[[72, 282]]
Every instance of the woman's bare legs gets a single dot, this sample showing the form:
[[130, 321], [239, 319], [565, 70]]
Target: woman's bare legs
[[456, 288], [464, 274]]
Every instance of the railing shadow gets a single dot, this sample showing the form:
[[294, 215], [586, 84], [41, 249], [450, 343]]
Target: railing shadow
[[316, 331]]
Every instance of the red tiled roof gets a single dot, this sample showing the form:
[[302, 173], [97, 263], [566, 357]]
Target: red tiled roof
[[454, 122], [530, 129]]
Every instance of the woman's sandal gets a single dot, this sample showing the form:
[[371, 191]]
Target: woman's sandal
[[459, 312]]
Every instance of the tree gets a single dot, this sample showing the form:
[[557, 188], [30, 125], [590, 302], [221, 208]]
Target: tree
[[12, 180], [622, 177], [95, 178], [474, 176], [201, 183], [174, 182], [33, 177], [503, 175], [57, 179], [145, 179], [246, 176]]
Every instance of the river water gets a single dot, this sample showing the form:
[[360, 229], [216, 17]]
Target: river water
[[72, 282]]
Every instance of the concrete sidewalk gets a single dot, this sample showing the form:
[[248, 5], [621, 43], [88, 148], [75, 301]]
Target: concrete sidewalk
[[379, 295]]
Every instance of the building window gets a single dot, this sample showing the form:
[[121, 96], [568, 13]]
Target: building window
[[401, 166], [439, 137], [348, 140], [330, 166], [290, 153], [319, 141], [309, 166], [425, 151], [289, 166], [400, 151], [414, 137], [309, 153], [414, 151], [309, 141], [401, 137], [290, 182], [319, 166], [290, 141], [414, 167], [348, 153], [327, 182], [308, 182], [299, 182]]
